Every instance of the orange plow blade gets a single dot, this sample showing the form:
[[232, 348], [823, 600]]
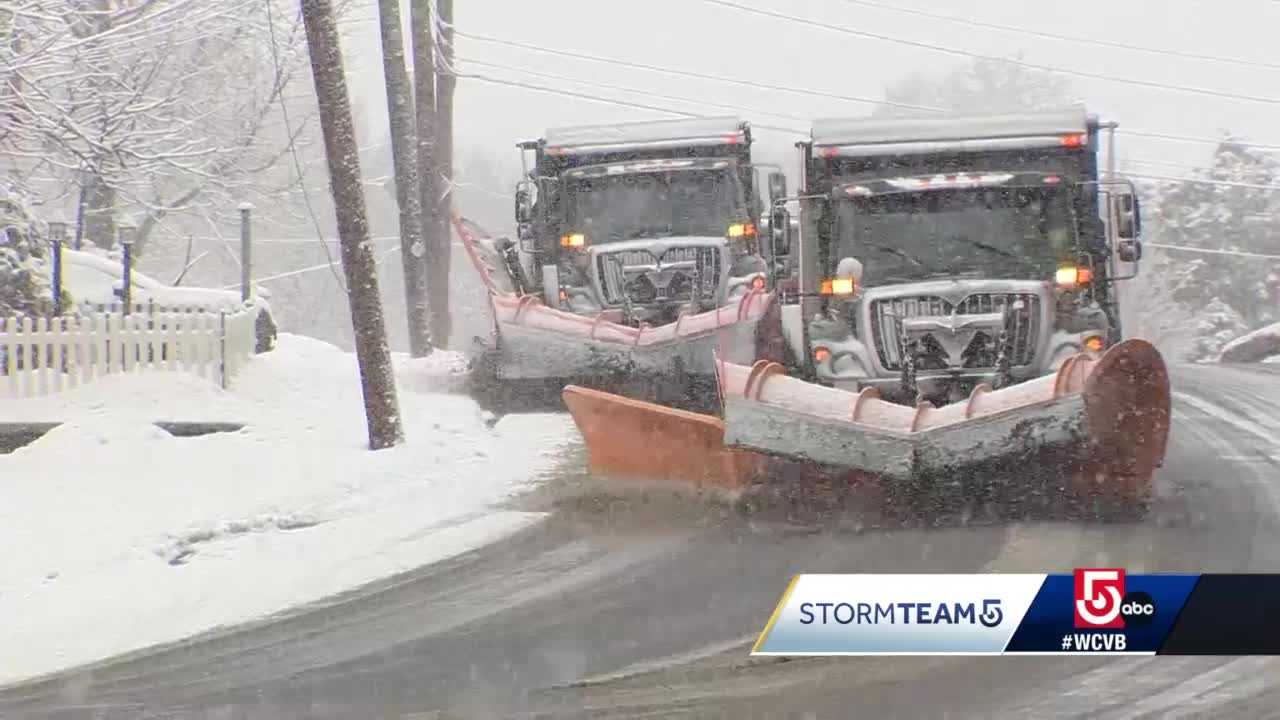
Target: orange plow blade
[[635, 440]]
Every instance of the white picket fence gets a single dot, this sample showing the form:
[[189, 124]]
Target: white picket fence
[[45, 356]]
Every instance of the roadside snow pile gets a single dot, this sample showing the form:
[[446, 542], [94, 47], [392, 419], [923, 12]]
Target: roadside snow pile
[[1262, 345], [122, 536], [441, 371]]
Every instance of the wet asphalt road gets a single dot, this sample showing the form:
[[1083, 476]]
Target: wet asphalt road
[[636, 611]]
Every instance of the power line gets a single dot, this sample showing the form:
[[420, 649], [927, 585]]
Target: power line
[[656, 108], [293, 149], [1208, 251], [310, 269], [570, 93], [735, 108], [689, 73], [622, 88], [1065, 38], [1198, 181], [608, 101], [1195, 139], [806, 91], [965, 53]]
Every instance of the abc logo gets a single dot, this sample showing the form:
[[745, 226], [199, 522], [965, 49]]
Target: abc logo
[[1137, 609]]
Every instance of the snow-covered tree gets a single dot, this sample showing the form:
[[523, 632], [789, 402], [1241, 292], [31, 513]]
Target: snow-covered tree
[[980, 86], [1239, 215], [154, 106], [24, 277]]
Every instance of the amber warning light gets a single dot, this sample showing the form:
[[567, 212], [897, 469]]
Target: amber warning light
[[838, 286], [1071, 276]]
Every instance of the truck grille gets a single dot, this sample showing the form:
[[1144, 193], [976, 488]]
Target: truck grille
[[677, 275], [885, 315]]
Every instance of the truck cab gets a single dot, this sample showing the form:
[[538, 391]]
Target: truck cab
[[640, 222], [936, 254]]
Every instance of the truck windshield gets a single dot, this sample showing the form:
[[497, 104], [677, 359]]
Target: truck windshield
[[611, 208], [1009, 232]]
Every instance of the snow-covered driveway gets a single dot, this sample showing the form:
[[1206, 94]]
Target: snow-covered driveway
[[119, 536]]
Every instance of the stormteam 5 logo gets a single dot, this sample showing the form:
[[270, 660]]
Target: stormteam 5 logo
[[1099, 595]]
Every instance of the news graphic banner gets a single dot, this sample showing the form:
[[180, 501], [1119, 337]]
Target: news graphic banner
[[1091, 611]]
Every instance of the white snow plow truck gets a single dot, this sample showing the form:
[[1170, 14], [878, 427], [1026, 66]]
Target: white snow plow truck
[[638, 259], [941, 253]]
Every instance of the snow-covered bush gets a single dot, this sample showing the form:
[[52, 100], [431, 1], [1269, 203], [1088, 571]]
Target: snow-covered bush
[[24, 277], [1217, 326]]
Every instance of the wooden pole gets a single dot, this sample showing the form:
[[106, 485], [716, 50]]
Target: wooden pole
[[408, 195], [374, 357]]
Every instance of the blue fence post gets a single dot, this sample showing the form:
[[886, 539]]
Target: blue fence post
[[126, 235], [58, 237]]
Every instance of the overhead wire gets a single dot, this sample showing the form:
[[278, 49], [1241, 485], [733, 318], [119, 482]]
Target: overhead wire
[[804, 91], [689, 73], [1197, 139], [1205, 181], [1065, 38], [293, 150], [672, 71], [965, 53], [1210, 251], [649, 93]]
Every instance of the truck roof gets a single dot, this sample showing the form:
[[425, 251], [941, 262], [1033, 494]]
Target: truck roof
[[938, 133], [653, 134]]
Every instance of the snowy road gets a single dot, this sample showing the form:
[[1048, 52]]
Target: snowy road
[[614, 615]]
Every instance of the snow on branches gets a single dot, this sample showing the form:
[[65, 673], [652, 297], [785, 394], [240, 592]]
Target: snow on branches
[[24, 277], [1224, 293], [153, 106]]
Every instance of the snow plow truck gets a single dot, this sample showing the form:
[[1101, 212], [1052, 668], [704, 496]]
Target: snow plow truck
[[638, 260], [950, 314]]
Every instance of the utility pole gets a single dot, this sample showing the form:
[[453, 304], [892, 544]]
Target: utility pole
[[374, 357], [444, 154], [429, 180], [408, 195]]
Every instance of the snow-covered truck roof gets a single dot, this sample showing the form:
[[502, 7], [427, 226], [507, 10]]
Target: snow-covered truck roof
[[649, 135], [1068, 127]]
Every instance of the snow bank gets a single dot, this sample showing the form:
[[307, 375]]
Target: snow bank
[[1256, 346], [121, 536], [441, 371]]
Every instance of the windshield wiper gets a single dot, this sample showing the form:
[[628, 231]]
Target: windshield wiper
[[989, 248], [902, 254]]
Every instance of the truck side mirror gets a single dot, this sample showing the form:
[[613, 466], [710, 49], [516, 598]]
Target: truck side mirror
[[1129, 251], [1127, 216], [528, 242], [780, 230], [777, 186], [524, 201]]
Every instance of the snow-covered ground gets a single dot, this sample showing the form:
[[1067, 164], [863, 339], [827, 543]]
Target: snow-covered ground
[[121, 536]]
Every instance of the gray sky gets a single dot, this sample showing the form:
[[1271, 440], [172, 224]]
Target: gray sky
[[697, 36]]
